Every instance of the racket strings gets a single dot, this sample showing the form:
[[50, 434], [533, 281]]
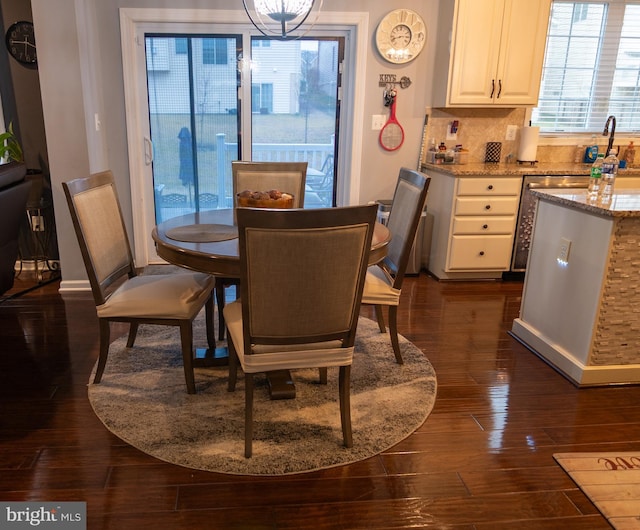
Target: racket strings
[[391, 136]]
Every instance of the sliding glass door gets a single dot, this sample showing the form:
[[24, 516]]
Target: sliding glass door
[[194, 117], [195, 87], [295, 108]]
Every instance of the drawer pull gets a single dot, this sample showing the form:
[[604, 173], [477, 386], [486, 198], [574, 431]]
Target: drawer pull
[[484, 227], [490, 187], [487, 207], [482, 252]]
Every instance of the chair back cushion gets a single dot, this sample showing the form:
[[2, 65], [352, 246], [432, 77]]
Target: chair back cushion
[[408, 204], [288, 177], [99, 226], [303, 273]]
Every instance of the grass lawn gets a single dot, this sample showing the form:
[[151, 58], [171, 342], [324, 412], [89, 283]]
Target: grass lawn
[[317, 128]]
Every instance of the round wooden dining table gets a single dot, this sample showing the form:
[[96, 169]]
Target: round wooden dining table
[[208, 242]]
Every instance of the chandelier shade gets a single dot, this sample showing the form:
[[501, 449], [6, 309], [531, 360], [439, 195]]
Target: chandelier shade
[[279, 18]]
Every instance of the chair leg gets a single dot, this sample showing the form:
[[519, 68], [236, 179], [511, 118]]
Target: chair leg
[[393, 332], [133, 331], [248, 415], [186, 339], [323, 376], [105, 331], [219, 288], [211, 335], [344, 386], [233, 366], [380, 318]]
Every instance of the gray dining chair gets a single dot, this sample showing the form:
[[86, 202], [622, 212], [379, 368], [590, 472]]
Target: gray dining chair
[[294, 310], [120, 294], [383, 284], [287, 177]]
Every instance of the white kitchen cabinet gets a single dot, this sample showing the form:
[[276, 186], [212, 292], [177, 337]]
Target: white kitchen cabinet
[[474, 224], [490, 52]]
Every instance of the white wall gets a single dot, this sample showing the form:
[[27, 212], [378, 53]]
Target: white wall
[[80, 69]]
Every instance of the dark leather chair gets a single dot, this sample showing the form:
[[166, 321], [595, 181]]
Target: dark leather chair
[[14, 192]]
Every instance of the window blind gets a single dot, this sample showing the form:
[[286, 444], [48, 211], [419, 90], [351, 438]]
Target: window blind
[[591, 68]]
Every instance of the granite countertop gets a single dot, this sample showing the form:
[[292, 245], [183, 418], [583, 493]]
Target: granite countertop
[[624, 203], [508, 170]]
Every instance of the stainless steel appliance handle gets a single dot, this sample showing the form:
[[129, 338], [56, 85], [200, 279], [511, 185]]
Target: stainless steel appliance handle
[[544, 185]]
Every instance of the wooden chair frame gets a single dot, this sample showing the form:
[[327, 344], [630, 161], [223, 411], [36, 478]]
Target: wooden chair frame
[[104, 287], [337, 335]]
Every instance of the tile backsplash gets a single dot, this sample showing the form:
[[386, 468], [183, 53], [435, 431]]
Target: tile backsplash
[[476, 127]]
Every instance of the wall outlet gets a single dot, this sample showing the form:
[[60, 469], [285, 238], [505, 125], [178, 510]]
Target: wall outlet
[[563, 250], [37, 223], [511, 132], [452, 131], [378, 121]]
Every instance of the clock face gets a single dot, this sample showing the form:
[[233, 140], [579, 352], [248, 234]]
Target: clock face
[[400, 36], [21, 42]]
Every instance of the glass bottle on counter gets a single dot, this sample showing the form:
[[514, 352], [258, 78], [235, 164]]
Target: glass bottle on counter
[[595, 177], [609, 172]]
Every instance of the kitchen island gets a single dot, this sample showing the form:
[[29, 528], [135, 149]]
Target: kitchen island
[[580, 307]]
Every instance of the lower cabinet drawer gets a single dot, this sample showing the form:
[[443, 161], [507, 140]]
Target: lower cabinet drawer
[[480, 253], [483, 225], [486, 206]]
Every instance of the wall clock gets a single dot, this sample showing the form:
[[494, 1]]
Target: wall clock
[[21, 42], [400, 36]]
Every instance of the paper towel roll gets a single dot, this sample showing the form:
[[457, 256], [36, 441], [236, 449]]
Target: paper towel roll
[[528, 144]]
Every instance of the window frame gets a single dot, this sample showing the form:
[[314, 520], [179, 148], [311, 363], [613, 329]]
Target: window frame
[[604, 74]]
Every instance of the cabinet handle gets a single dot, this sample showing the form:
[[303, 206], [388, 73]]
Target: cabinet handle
[[484, 227], [493, 88], [490, 187], [487, 207], [499, 88], [482, 252]]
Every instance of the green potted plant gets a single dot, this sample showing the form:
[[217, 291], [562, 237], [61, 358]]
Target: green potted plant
[[10, 149]]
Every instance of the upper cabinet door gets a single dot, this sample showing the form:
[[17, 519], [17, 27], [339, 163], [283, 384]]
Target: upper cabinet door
[[524, 34], [495, 54], [475, 49]]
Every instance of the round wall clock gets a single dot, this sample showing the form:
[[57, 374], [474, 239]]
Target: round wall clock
[[21, 42], [400, 36]]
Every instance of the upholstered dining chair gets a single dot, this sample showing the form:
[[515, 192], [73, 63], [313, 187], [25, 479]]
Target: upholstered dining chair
[[120, 294], [383, 284], [295, 311], [289, 177]]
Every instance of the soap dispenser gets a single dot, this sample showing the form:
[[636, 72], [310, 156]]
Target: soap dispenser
[[591, 152], [630, 154]]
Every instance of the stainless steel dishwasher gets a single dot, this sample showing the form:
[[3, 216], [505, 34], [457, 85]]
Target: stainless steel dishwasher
[[524, 225]]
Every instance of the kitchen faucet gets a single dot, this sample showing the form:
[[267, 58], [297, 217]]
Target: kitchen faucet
[[612, 120]]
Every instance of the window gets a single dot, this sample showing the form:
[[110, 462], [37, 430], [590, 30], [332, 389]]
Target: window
[[591, 67], [181, 46], [214, 51]]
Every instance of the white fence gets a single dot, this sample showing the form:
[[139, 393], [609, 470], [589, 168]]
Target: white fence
[[314, 154]]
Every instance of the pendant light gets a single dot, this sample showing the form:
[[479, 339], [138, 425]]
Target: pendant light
[[280, 18]]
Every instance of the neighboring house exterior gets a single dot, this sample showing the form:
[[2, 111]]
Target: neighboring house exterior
[[275, 76]]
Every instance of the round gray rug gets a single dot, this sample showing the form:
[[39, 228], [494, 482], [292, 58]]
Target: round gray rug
[[142, 399]]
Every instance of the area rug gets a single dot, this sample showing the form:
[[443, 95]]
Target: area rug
[[142, 399], [611, 481]]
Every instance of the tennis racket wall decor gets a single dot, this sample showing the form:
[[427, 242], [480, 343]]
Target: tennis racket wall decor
[[392, 134]]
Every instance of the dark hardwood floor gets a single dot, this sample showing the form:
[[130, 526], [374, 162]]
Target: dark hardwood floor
[[483, 459]]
